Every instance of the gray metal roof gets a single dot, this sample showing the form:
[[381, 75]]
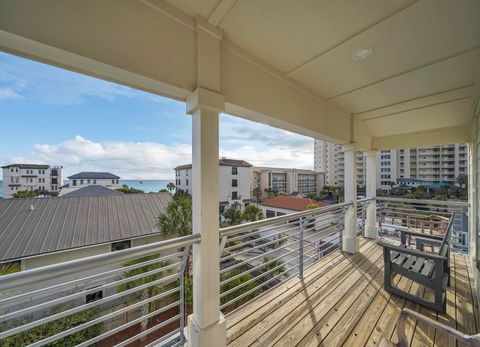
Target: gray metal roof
[[27, 166], [95, 176], [92, 190], [62, 223]]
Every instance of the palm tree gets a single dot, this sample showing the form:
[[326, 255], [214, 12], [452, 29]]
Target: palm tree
[[148, 292], [252, 213], [170, 187], [177, 220]]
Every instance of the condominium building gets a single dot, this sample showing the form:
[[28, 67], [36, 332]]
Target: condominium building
[[287, 180], [85, 179], [235, 182], [21, 177], [430, 164]]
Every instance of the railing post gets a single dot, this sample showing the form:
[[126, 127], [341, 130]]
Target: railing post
[[350, 237], [371, 230], [300, 247], [182, 294]]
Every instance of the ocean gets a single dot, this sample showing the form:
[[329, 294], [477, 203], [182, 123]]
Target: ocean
[[148, 186]]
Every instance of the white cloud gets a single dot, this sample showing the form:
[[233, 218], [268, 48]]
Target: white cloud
[[151, 160], [9, 93], [135, 160]]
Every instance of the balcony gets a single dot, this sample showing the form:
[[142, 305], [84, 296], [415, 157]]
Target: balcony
[[341, 301], [283, 281]]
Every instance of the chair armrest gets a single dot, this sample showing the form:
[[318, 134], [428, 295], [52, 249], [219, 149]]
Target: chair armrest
[[421, 241], [409, 251], [471, 340], [426, 236]]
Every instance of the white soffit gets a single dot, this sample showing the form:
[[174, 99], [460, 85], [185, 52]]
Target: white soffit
[[426, 53]]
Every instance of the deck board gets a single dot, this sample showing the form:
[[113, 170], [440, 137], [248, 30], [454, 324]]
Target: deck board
[[341, 302]]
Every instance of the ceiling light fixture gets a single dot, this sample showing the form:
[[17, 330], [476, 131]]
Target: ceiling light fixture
[[362, 53]]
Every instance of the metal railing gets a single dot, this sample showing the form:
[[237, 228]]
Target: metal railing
[[114, 299], [426, 216], [258, 256], [362, 214]]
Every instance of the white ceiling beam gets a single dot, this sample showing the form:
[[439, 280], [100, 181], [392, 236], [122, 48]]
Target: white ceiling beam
[[417, 68], [221, 11], [419, 102]]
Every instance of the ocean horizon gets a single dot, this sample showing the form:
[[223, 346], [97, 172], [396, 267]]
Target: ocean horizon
[[148, 186]]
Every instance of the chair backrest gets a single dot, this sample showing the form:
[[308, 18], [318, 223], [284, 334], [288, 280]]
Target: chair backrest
[[443, 250]]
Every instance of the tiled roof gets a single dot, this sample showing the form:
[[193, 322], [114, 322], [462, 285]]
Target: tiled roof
[[291, 203], [221, 162], [27, 166], [37, 226], [95, 176], [93, 190]]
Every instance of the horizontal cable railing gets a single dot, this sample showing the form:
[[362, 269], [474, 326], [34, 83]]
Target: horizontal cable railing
[[135, 295], [424, 216], [258, 256]]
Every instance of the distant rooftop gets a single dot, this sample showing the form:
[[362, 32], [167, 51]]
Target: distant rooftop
[[95, 176], [31, 227], [221, 162], [300, 171], [92, 190], [27, 166], [291, 203]]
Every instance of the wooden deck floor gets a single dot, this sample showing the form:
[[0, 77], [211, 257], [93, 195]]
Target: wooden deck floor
[[341, 302]]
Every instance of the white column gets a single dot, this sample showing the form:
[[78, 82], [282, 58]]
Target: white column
[[206, 326], [350, 240], [371, 178]]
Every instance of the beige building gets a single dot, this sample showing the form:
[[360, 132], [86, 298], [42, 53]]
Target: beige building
[[287, 180], [431, 164], [235, 177]]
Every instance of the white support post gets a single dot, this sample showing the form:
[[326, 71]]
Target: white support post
[[206, 326], [371, 231], [350, 239]]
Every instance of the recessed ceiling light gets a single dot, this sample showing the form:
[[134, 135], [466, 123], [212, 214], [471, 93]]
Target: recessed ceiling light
[[362, 53]]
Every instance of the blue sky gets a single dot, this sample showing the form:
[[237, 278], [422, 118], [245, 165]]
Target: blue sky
[[50, 115]]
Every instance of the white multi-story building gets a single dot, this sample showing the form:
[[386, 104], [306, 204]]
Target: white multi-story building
[[21, 177], [287, 180], [85, 179], [235, 182], [431, 164]]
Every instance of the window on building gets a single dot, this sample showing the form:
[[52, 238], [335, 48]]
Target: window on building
[[94, 296], [94, 181], [116, 181], [74, 182], [81, 182], [88, 181], [118, 246], [234, 183], [234, 170], [187, 182], [113, 181], [234, 195]]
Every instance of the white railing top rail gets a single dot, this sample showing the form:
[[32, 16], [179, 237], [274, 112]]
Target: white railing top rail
[[19, 279], [426, 202], [280, 219]]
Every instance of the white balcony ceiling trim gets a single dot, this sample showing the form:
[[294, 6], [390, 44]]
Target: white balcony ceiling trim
[[284, 63]]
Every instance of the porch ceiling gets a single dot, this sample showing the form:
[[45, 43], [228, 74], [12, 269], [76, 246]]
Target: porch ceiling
[[286, 63], [421, 76]]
